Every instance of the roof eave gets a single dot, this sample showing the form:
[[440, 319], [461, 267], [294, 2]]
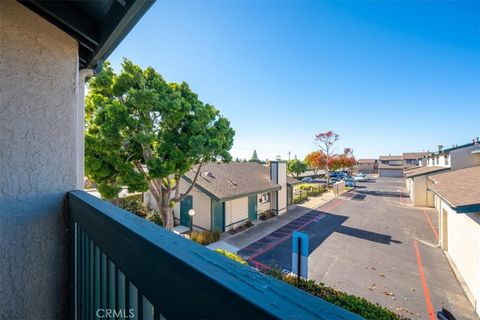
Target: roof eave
[[429, 172]]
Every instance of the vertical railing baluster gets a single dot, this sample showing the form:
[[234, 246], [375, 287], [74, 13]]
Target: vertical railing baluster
[[116, 288], [112, 287], [127, 294], [147, 309], [103, 281], [96, 280], [79, 258], [84, 274], [87, 279], [91, 303], [121, 290], [133, 300]]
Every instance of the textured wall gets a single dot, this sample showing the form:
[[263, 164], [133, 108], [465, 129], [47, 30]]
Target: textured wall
[[39, 140]]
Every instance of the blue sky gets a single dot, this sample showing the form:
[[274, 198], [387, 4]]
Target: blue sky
[[389, 77]]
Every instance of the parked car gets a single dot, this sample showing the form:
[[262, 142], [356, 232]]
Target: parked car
[[361, 177], [307, 180], [350, 182]]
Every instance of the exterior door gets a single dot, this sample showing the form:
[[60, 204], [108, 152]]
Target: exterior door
[[185, 205], [252, 208], [218, 215]]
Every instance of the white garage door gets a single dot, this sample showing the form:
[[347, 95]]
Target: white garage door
[[390, 173]]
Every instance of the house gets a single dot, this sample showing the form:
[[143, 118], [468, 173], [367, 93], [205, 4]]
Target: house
[[456, 157], [416, 181], [367, 165], [390, 166], [456, 197], [227, 195], [412, 159], [66, 254]]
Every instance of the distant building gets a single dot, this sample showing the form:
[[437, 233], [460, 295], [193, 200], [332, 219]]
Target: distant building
[[456, 157], [412, 159], [390, 166], [367, 165]]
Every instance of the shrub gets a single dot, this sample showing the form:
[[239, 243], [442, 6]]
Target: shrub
[[357, 305], [231, 255], [135, 206], [155, 217], [205, 237]]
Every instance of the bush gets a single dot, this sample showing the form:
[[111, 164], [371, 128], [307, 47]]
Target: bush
[[357, 305], [205, 237], [135, 206], [155, 217], [231, 255]]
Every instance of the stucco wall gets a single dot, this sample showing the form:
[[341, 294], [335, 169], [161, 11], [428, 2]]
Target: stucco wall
[[235, 211], [463, 247], [463, 158], [39, 162]]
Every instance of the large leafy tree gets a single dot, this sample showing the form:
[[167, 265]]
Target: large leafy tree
[[296, 167], [145, 133], [316, 160]]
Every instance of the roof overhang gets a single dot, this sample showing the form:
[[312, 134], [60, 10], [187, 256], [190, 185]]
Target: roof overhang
[[467, 208], [98, 26], [427, 173]]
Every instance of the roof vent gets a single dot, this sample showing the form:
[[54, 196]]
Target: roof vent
[[232, 182], [209, 174]]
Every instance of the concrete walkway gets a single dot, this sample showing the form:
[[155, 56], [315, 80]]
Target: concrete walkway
[[264, 228]]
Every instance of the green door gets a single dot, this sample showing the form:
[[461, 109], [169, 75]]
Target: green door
[[185, 205], [252, 207], [218, 215]]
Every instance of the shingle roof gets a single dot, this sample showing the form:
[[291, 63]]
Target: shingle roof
[[292, 181], [390, 166], [391, 158], [460, 188], [226, 181], [370, 161], [414, 155], [420, 171]]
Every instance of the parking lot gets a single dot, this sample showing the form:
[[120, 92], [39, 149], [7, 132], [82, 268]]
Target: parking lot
[[373, 243]]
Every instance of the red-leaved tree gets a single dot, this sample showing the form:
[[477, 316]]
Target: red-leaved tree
[[316, 160], [326, 142]]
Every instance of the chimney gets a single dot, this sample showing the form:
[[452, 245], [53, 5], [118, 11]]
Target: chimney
[[278, 175]]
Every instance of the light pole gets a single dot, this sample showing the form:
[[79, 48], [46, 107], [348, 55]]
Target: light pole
[[191, 213]]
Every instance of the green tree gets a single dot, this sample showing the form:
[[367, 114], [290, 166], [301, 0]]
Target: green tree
[[296, 167], [255, 157], [145, 133]]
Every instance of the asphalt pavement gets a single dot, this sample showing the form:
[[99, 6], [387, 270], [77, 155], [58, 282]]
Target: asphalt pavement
[[373, 243]]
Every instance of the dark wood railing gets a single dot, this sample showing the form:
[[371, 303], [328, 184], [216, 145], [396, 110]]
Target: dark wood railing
[[122, 265]]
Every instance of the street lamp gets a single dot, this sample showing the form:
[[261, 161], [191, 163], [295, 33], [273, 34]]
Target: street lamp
[[191, 213]]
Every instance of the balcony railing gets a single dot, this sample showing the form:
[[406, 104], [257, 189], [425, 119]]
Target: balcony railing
[[122, 265]]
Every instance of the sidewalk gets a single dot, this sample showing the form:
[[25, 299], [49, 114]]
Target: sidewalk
[[264, 228]]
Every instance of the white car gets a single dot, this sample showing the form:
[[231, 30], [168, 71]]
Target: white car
[[361, 178]]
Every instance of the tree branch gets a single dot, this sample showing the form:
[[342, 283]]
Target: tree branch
[[180, 198]]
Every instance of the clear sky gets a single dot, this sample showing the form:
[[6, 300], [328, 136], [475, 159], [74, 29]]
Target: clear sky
[[389, 77]]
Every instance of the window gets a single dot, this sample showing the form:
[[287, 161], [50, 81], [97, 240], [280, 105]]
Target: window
[[447, 159], [438, 159], [265, 197]]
